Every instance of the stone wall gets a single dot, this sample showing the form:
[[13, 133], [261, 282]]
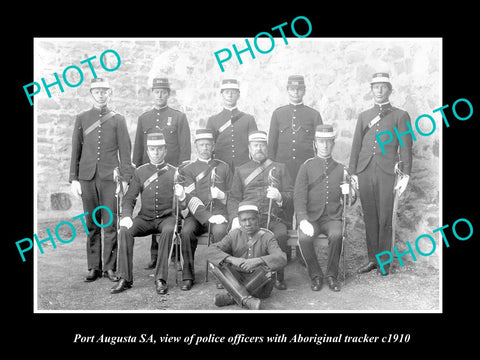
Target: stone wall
[[337, 73]]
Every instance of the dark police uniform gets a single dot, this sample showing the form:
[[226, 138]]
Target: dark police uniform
[[176, 130], [231, 128], [96, 150], [155, 184], [317, 197], [197, 182], [248, 187], [375, 171]]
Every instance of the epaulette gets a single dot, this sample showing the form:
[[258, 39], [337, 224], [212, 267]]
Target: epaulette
[[265, 231], [184, 163], [306, 161], [141, 166], [220, 161]]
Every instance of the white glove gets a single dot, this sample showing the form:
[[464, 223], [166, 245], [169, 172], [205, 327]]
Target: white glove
[[217, 193], [402, 184], [217, 219], [76, 189], [235, 223], [306, 227], [355, 181], [125, 186], [345, 188], [127, 222], [179, 192], [273, 193]]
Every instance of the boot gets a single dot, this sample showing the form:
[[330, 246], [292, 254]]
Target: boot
[[280, 282], [252, 303], [223, 300]]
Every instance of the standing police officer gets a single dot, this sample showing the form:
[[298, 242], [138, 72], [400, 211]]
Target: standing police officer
[[100, 138], [231, 127], [175, 128], [291, 136], [374, 171]]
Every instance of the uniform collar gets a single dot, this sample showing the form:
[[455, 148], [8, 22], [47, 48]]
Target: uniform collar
[[295, 105], [230, 109], [162, 164], [204, 161], [383, 106], [160, 108], [101, 109]]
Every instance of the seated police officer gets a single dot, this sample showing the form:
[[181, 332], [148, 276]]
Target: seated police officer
[[155, 182], [206, 181], [318, 207], [243, 261], [270, 186]]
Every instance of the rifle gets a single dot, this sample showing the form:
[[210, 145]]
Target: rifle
[[210, 235], [176, 238], [272, 181]]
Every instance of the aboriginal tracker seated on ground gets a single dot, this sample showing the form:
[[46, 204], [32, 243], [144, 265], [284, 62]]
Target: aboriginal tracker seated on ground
[[245, 260]]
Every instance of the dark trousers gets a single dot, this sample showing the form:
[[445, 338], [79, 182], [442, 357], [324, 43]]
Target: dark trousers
[[191, 228], [333, 230], [98, 192], [376, 195], [142, 227]]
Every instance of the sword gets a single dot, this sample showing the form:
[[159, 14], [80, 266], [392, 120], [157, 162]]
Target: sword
[[212, 183], [176, 238], [346, 180], [272, 181], [398, 176]]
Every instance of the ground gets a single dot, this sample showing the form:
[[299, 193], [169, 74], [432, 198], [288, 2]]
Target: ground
[[60, 286]]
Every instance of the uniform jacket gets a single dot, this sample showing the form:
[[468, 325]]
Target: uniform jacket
[[231, 145], [265, 247], [100, 150], [197, 183], [365, 146], [156, 197], [322, 198], [175, 128], [256, 190], [292, 133]]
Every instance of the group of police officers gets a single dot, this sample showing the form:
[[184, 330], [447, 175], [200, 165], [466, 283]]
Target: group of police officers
[[245, 188]]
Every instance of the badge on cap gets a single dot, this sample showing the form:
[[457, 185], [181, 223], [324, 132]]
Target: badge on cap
[[325, 132]]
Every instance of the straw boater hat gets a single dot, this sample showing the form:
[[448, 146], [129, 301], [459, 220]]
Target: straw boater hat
[[257, 135], [247, 206], [155, 139], [99, 83], [381, 77], [325, 132], [229, 84], [203, 134]]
